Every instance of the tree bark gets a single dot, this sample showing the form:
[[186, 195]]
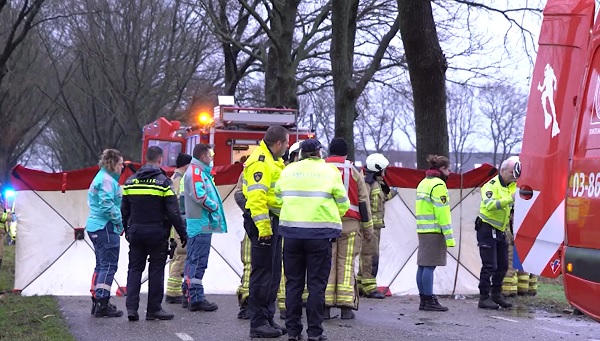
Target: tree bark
[[427, 69], [280, 73]]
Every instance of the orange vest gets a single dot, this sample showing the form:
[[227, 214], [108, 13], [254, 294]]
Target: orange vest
[[345, 168]]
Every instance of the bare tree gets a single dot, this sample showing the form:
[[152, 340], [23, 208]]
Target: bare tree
[[348, 86], [504, 106], [320, 106], [463, 124], [133, 61], [379, 110]]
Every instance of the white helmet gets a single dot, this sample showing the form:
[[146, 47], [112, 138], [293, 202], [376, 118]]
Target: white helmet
[[377, 162], [295, 147]]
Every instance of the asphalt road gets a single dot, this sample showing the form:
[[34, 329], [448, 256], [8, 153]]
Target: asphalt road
[[395, 318]]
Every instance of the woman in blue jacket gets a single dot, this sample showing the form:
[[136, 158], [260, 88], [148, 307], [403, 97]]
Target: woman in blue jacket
[[104, 227]]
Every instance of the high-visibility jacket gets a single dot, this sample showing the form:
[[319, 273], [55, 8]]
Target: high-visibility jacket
[[496, 202], [313, 199], [433, 208], [356, 188], [378, 199], [261, 172], [179, 188]]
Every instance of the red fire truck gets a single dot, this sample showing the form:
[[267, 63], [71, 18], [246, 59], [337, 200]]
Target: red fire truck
[[558, 207], [234, 132]]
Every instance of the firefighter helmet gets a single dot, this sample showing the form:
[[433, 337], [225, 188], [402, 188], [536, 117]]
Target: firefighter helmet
[[295, 147], [517, 167], [377, 162]]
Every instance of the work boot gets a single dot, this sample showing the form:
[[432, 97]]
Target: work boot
[[485, 302], [184, 303], [327, 313], [501, 301], [105, 309], [375, 294], [276, 326], [132, 315], [282, 314], [93, 305], [323, 337], [295, 338], [265, 331], [203, 305], [347, 314], [174, 299], [431, 304], [161, 315], [244, 314], [422, 303]]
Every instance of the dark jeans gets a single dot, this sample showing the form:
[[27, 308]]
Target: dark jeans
[[153, 248], [106, 248], [493, 249], [198, 250], [265, 275], [425, 280], [308, 259]]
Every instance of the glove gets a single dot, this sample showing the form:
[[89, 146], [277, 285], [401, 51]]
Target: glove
[[183, 241], [385, 188], [450, 242]]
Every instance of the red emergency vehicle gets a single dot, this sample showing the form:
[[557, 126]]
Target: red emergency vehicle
[[234, 132], [557, 211]]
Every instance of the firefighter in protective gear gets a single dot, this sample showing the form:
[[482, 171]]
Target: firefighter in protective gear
[[313, 200], [509, 283], [261, 222], [5, 219], [342, 289], [379, 193], [175, 284], [434, 228], [497, 200]]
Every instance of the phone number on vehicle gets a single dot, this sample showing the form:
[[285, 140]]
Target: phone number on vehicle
[[581, 187]]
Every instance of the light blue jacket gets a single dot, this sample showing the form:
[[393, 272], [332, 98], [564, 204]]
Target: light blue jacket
[[203, 204], [104, 201]]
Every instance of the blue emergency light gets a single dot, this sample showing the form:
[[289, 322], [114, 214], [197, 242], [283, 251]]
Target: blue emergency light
[[9, 193]]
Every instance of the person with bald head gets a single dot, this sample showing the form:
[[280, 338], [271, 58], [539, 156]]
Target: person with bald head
[[497, 200]]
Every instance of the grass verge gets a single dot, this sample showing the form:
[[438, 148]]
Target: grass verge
[[28, 318]]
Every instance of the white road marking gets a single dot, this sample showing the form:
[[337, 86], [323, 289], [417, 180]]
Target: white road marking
[[504, 319], [554, 330], [184, 336]]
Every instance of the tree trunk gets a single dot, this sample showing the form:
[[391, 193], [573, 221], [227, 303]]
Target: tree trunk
[[343, 21], [427, 68], [280, 74]]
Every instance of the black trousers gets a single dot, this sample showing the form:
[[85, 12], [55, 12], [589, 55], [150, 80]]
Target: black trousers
[[141, 248], [308, 259], [493, 249], [265, 275]]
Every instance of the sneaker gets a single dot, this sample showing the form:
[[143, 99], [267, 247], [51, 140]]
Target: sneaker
[[203, 305], [161, 315]]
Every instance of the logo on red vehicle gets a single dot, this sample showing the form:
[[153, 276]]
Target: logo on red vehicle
[[547, 88], [555, 265]]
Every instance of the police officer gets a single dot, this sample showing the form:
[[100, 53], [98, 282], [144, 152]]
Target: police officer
[[149, 209], [261, 222], [498, 196], [313, 199], [174, 282], [342, 289]]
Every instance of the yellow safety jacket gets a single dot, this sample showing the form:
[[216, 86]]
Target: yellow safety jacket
[[496, 202], [261, 172], [433, 209], [314, 199]]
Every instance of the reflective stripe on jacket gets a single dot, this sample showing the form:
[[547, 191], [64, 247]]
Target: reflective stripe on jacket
[[433, 208], [496, 202], [313, 199]]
